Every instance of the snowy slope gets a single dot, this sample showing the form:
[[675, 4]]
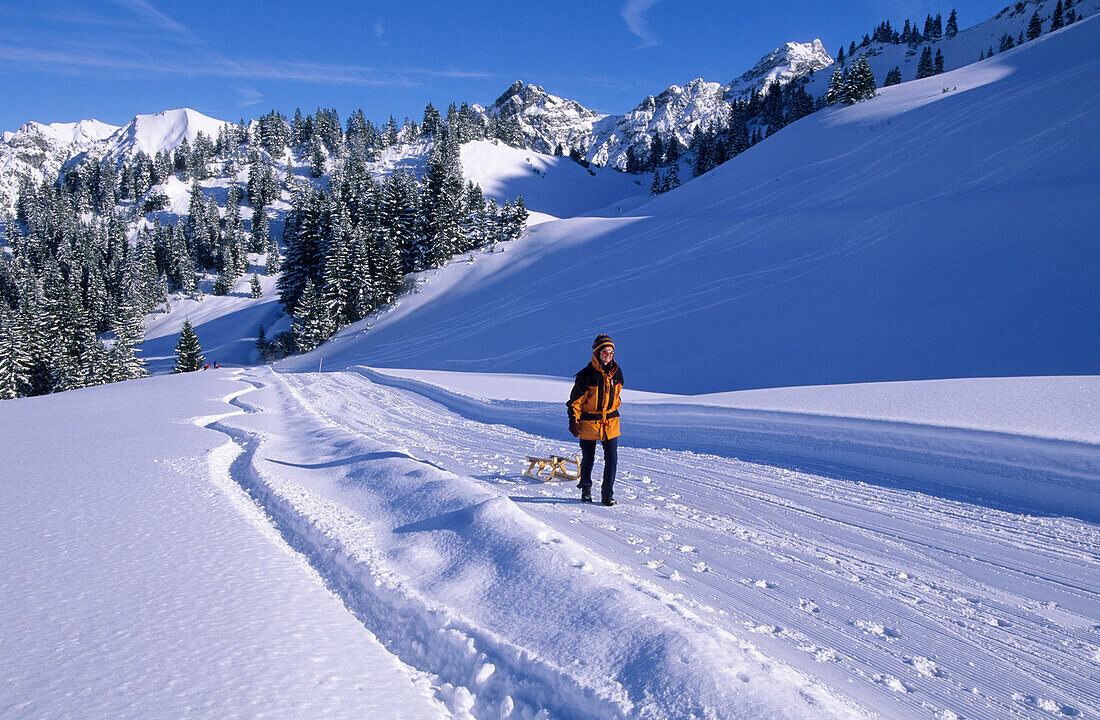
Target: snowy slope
[[965, 48], [551, 185], [918, 235]]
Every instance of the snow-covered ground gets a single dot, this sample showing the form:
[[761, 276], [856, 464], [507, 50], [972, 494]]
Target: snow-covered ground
[[361, 542], [364, 542]]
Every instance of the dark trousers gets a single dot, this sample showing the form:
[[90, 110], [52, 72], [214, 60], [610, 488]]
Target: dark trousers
[[610, 461]]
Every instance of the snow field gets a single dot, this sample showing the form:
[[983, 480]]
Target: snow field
[[140, 582], [1038, 457], [479, 583], [901, 601]]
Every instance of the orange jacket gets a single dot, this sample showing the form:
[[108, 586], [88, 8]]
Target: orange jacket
[[594, 402]]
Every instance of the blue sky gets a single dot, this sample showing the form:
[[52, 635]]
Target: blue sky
[[63, 61]]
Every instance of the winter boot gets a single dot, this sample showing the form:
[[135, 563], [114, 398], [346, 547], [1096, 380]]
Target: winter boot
[[609, 501], [586, 494]]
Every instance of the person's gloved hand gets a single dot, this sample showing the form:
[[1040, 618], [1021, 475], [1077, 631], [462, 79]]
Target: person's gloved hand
[[573, 429]]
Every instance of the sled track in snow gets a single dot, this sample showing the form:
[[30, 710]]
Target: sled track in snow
[[848, 573], [475, 673]]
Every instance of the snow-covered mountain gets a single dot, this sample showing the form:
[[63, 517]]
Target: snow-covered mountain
[[784, 64], [548, 121], [38, 151], [162, 131], [678, 110]]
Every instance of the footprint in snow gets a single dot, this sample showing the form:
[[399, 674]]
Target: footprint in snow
[[1046, 704], [878, 629], [893, 683], [925, 666], [762, 584]]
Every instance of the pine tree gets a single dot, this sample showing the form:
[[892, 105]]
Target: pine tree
[[188, 350], [256, 291], [1035, 26], [862, 82], [1007, 42], [10, 379], [129, 332], [952, 28], [263, 350], [316, 156], [926, 66], [305, 236], [312, 324], [261, 231], [937, 64], [442, 205], [834, 93], [672, 180], [893, 77], [520, 216], [1057, 20], [273, 263]]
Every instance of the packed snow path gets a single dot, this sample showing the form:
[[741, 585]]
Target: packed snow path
[[717, 586]]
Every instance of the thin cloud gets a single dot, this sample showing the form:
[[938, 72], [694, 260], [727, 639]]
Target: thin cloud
[[248, 97], [89, 61], [633, 12]]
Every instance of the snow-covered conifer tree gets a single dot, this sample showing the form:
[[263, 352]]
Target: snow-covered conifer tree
[[188, 350], [312, 324]]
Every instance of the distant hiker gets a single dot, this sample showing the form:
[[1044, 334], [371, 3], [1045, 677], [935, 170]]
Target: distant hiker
[[206, 366], [216, 365], [594, 415]]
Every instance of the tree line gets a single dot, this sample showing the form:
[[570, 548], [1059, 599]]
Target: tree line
[[82, 263]]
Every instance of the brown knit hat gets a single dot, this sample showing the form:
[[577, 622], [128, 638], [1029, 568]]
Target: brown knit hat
[[601, 342]]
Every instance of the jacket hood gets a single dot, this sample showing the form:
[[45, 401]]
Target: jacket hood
[[611, 367]]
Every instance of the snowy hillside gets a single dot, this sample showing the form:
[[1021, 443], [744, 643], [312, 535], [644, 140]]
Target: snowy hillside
[[551, 185], [918, 235], [965, 48]]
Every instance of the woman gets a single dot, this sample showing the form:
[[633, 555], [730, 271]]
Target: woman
[[594, 416]]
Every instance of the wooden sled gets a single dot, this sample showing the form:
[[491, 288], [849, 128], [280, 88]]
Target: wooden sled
[[556, 465]]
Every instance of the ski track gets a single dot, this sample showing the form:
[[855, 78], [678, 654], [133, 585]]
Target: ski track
[[909, 604]]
